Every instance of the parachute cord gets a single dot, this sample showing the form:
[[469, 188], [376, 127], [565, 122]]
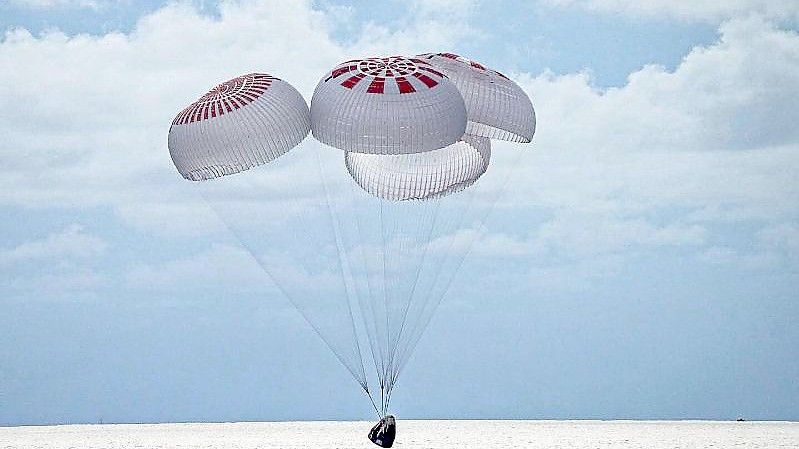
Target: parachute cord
[[371, 399], [412, 292], [388, 397], [417, 242], [385, 297], [382, 401], [425, 297], [283, 291], [470, 204], [373, 278], [341, 263], [371, 334], [481, 224], [424, 302]]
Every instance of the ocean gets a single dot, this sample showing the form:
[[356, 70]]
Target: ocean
[[411, 434]]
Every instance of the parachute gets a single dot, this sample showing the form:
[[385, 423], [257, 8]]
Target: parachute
[[421, 175], [498, 108], [242, 123], [387, 106], [364, 227]]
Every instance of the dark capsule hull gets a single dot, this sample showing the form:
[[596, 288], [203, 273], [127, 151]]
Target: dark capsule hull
[[384, 432]]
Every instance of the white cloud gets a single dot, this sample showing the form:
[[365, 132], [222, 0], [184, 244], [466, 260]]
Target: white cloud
[[59, 263], [427, 25], [190, 218], [578, 235], [219, 265], [666, 159], [70, 243], [703, 10], [63, 282], [716, 133], [93, 132], [657, 162], [782, 242], [735, 94], [578, 276], [723, 255], [233, 267], [585, 235], [61, 4], [783, 236]]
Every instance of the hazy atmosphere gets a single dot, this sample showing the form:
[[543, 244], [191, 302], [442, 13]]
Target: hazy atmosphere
[[643, 263]]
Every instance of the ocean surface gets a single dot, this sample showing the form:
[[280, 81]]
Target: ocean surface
[[412, 434]]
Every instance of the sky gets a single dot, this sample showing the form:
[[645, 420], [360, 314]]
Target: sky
[[645, 265]]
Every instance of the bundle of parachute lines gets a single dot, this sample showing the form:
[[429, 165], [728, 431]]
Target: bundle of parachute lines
[[410, 128]]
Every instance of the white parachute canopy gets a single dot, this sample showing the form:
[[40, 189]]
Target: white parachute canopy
[[366, 249], [244, 122], [497, 107], [389, 105], [418, 176]]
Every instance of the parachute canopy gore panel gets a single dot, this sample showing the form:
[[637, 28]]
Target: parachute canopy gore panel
[[497, 107], [419, 176], [392, 105], [242, 123]]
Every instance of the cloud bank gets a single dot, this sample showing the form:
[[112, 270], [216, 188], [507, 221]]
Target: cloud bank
[[669, 159], [701, 10]]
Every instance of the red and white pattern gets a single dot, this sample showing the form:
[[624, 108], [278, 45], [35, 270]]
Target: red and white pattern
[[467, 61], [226, 97], [497, 107], [394, 74], [387, 105], [248, 121]]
